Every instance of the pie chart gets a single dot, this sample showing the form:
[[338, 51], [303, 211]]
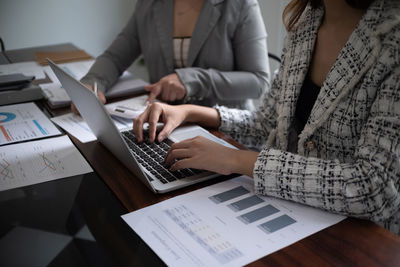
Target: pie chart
[[6, 116]]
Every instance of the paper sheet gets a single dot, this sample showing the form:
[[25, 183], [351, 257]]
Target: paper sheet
[[75, 69], [190, 131], [29, 68], [76, 126], [55, 94], [224, 225], [22, 122], [39, 161]]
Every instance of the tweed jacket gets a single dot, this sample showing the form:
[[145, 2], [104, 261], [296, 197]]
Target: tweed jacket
[[348, 158], [227, 60]]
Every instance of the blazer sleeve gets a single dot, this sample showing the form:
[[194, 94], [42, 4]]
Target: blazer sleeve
[[252, 128], [366, 188], [117, 58], [251, 75]]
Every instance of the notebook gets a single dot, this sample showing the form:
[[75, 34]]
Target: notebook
[[145, 160]]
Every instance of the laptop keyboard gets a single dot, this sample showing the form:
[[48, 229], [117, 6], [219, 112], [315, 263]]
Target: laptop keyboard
[[151, 156]]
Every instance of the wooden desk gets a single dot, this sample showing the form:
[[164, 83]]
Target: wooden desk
[[352, 242]]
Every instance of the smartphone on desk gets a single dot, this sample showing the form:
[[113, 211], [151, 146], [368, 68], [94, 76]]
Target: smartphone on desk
[[14, 81]]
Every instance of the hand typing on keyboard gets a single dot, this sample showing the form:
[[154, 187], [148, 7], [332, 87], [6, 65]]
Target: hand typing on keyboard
[[151, 155], [198, 152]]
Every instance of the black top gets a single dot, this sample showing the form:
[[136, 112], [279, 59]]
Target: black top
[[308, 95]]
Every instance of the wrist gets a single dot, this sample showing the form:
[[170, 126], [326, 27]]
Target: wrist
[[242, 162], [204, 116]]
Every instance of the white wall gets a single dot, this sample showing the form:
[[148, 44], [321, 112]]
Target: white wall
[[92, 24], [89, 24], [272, 14]]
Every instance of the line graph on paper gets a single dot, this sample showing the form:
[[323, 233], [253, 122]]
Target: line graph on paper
[[37, 162], [5, 170], [10, 169], [50, 163]]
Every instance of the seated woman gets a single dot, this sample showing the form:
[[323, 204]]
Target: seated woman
[[329, 127], [196, 51]]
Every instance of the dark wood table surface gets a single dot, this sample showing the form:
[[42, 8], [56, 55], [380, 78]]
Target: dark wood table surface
[[352, 242]]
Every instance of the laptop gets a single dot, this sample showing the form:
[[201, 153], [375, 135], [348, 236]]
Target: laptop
[[145, 160]]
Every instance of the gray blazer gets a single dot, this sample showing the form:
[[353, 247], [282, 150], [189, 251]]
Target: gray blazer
[[227, 61], [348, 158]]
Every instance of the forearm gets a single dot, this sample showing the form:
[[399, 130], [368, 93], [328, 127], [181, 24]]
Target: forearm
[[204, 116], [223, 85]]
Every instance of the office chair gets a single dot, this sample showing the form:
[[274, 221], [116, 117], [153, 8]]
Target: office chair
[[2, 45], [256, 102], [274, 57]]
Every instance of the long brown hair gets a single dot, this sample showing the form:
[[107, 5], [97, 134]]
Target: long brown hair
[[292, 12]]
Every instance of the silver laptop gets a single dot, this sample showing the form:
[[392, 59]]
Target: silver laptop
[[145, 160]]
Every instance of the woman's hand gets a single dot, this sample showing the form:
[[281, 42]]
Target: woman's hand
[[204, 154], [100, 95], [171, 116], [169, 87]]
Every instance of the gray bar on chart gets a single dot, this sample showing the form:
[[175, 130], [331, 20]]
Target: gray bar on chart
[[245, 203], [277, 224], [228, 195], [258, 214]]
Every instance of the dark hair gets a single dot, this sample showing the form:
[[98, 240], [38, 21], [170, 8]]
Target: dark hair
[[292, 12]]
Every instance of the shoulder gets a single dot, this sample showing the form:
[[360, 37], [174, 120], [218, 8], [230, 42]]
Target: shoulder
[[143, 5], [385, 26]]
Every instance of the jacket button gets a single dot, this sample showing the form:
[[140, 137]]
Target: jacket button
[[310, 145]]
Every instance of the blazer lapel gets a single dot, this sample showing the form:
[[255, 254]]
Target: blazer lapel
[[357, 56], [208, 17], [298, 58], [164, 19]]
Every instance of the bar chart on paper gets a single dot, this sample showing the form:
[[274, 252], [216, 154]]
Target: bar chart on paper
[[225, 224], [22, 122], [39, 161]]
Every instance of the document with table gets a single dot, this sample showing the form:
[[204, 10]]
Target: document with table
[[225, 224]]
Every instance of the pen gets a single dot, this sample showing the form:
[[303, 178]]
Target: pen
[[95, 89]]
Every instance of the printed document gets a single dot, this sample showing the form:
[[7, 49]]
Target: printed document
[[76, 126], [225, 224], [22, 122], [29, 68], [40, 161]]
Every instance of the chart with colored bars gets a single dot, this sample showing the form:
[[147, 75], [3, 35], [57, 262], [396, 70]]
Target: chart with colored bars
[[225, 224], [21, 122], [39, 161], [262, 212]]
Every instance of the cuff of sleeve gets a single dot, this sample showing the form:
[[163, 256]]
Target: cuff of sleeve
[[189, 84], [225, 116], [263, 182], [90, 80]]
